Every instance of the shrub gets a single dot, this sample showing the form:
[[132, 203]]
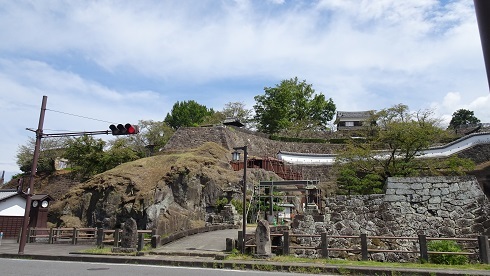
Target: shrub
[[448, 259]]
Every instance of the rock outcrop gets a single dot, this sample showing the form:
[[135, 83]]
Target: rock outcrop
[[168, 192]]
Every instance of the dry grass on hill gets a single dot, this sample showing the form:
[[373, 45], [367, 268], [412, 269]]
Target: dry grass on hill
[[141, 177]]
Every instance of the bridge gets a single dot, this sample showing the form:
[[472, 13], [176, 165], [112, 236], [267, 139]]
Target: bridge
[[454, 147]]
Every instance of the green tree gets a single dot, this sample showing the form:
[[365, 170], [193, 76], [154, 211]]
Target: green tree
[[237, 110], [463, 117], [292, 105], [50, 149], [153, 136], [391, 148], [119, 153], [187, 114], [214, 118], [85, 155]]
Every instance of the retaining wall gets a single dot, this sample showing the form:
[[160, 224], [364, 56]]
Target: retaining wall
[[433, 206]]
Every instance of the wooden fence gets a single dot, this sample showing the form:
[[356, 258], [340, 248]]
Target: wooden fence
[[481, 250], [79, 235], [101, 236]]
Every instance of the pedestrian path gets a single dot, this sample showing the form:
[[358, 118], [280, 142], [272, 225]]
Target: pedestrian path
[[209, 244]]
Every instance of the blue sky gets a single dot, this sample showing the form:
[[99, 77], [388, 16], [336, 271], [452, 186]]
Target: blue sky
[[124, 61]]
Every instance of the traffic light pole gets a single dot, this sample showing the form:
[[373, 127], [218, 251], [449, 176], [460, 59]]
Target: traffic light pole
[[30, 190], [39, 134]]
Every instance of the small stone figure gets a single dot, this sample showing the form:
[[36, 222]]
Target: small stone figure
[[129, 237], [263, 239]]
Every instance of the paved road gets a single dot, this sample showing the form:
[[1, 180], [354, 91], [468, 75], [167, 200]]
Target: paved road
[[10, 267], [214, 241]]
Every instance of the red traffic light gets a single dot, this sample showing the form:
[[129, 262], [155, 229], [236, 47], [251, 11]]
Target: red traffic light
[[126, 129]]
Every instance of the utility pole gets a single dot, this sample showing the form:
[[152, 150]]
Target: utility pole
[[39, 135], [120, 129]]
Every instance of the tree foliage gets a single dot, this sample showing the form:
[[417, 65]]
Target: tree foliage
[[238, 111], [391, 148], [87, 157], [50, 149], [463, 117], [292, 105], [153, 136], [446, 259], [187, 114]]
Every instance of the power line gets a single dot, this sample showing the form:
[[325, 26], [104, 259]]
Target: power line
[[80, 116]]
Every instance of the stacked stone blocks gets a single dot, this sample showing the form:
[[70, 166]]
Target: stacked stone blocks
[[431, 206]]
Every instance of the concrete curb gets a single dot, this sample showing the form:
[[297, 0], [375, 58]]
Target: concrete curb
[[247, 265]]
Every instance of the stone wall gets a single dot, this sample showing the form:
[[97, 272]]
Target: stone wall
[[479, 153], [432, 206], [258, 145], [229, 137]]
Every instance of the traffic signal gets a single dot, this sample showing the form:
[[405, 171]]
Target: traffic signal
[[126, 129]]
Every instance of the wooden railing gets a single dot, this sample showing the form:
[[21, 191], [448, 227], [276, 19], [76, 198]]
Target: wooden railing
[[78, 235], [101, 236], [481, 250]]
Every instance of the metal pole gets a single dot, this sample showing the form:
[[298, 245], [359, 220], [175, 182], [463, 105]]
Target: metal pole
[[39, 134], [244, 222]]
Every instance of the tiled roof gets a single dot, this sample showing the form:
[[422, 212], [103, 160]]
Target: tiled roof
[[354, 114], [41, 197], [4, 194]]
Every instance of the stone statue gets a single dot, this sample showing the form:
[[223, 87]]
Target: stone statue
[[263, 239]]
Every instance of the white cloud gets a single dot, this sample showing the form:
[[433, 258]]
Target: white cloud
[[142, 56]]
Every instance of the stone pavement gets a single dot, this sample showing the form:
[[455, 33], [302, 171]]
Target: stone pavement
[[192, 257]]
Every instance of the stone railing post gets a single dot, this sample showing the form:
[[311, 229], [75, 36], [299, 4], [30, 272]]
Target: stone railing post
[[324, 245], [285, 243], [364, 247], [155, 241], [483, 249], [230, 244], [424, 256]]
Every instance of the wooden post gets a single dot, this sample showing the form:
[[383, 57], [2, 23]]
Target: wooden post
[[364, 247], [424, 256], [241, 241], [117, 233], [285, 245], [100, 237], [483, 249], [141, 241], [18, 236], [51, 233], [74, 236], [29, 234], [324, 245]]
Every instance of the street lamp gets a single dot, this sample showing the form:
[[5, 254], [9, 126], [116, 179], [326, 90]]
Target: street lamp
[[236, 157]]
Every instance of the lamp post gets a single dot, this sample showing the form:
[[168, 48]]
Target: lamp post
[[236, 157]]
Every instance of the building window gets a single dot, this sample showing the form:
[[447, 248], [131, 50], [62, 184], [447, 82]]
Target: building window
[[349, 124]]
